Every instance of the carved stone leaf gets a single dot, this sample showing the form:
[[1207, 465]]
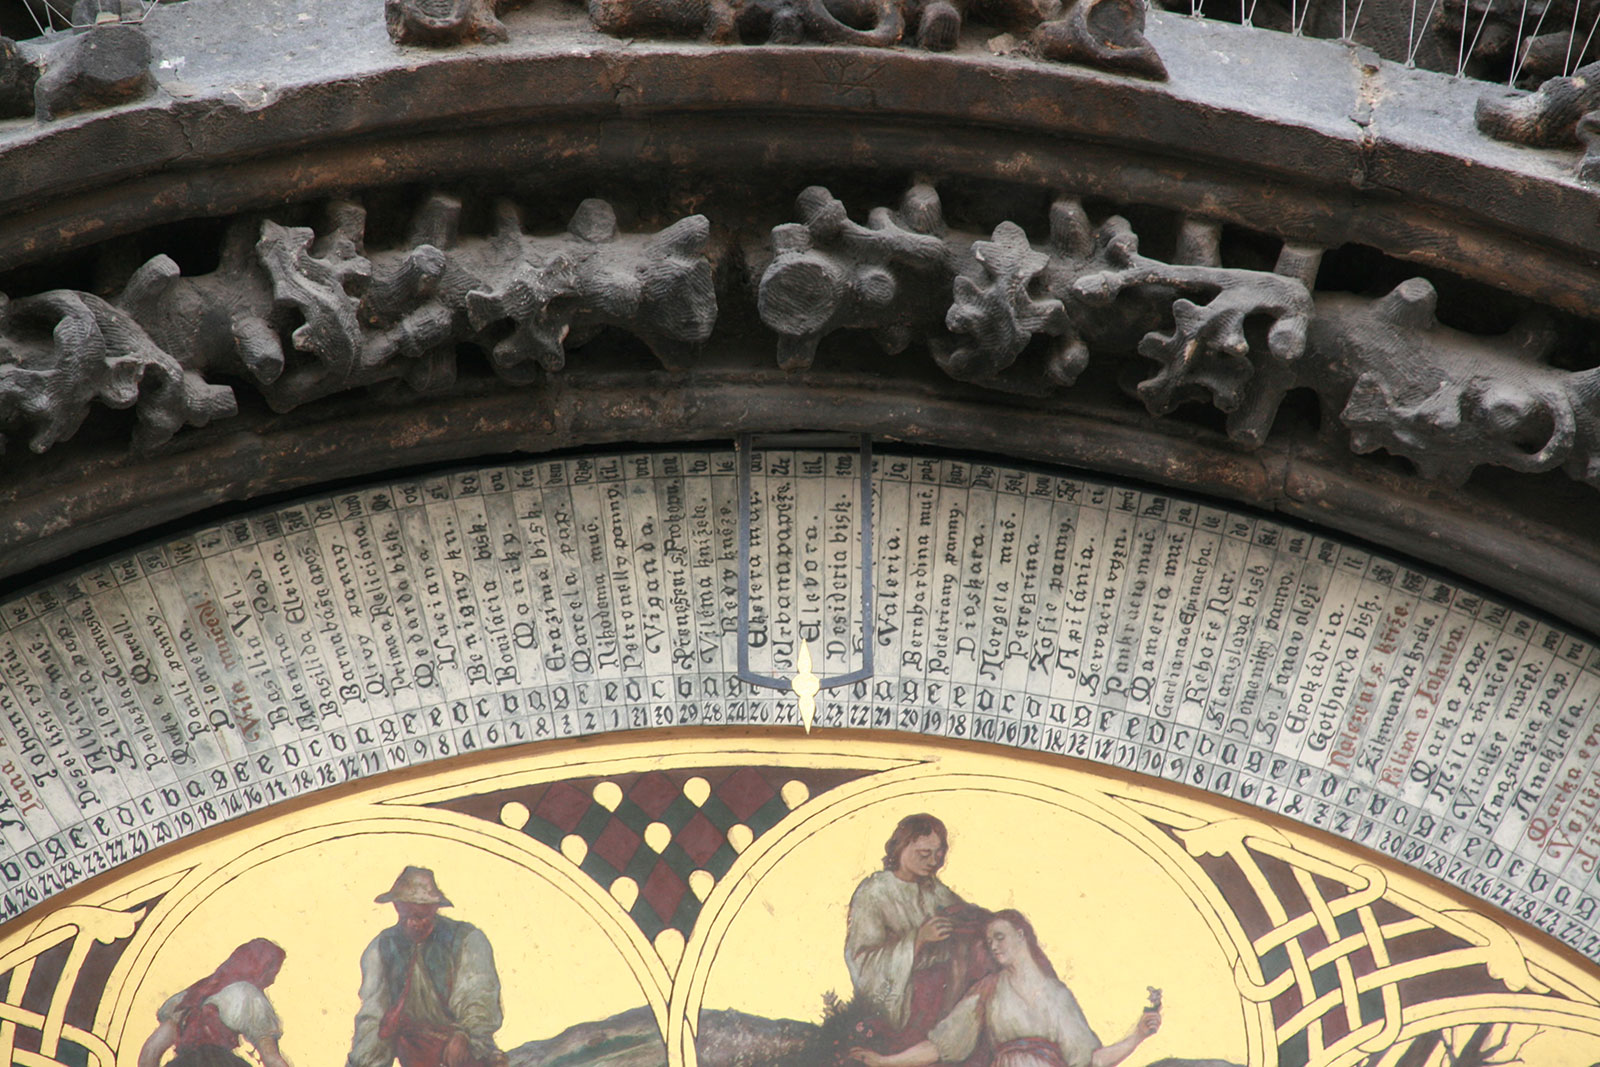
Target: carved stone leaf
[[1526, 425], [659, 287], [443, 22], [317, 288], [1000, 314], [678, 295], [1108, 34], [1449, 401], [832, 273], [96, 354], [1208, 352], [530, 300], [1562, 111]]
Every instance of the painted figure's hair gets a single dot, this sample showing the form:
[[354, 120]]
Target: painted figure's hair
[[1020, 923], [911, 827], [256, 962]]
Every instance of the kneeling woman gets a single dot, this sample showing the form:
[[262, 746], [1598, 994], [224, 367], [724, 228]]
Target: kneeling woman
[[203, 1024], [1028, 1014]]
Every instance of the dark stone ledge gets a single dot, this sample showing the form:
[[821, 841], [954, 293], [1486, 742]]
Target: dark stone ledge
[[1307, 139], [71, 504]]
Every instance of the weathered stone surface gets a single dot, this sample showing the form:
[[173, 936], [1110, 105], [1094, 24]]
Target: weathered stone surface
[[89, 12], [1564, 111], [17, 78], [751, 21], [305, 313], [104, 67], [1108, 34], [830, 273], [62, 353], [357, 321], [1305, 143], [443, 22], [1239, 340]]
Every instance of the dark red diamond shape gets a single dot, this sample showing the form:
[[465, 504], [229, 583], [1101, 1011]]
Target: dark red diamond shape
[[1335, 1024], [616, 844], [663, 890], [699, 839], [1285, 1005], [653, 793], [563, 805], [744, 791]]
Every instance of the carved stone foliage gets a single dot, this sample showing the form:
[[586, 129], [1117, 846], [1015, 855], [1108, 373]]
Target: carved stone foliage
[[18, 76], [975, 301], [1108, 34], [1447, 400], [62, 352], [1564, 111], [1388, 374], [443, 22], [295, 313], [302, 313], [869, 23], [102, 67]]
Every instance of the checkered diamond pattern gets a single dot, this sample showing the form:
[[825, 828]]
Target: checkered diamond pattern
[[49, 997], [615, 834], [1340, 958]]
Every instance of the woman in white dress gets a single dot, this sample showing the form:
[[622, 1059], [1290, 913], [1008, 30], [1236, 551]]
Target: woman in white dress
[[202, 1025], [1029, 1016]]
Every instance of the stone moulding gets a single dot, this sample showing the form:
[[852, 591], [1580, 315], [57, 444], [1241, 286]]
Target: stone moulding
[[1106, 34], [672, 328], [1561, 112], [1384, 368], [301, 314]]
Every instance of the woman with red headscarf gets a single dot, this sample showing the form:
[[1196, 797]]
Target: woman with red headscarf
[[204, 1023], [1028, 1015]]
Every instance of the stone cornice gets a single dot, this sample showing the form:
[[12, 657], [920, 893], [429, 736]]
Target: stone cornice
[[1002, 317]]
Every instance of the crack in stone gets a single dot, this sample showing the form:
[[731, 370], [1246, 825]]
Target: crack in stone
[[1369, 94]]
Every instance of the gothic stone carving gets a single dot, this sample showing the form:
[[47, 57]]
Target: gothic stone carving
[[1108, 34], [350, 319], [62, 352], [1564, 111], [975, 302], [733, 21], [1449, 401], [298, 313], [17, 78], [443, 22], [103, 67], [1385, 370], [830, 273]]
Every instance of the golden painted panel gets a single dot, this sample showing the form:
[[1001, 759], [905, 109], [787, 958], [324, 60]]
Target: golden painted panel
[[743, 899]]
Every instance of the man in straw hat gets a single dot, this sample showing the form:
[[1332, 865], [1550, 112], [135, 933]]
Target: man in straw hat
[[430, 996]]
